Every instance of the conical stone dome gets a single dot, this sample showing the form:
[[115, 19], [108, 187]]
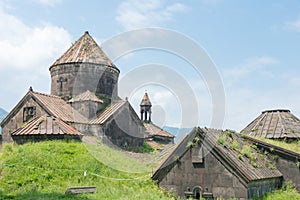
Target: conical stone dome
[[84, 66], [274, 124]]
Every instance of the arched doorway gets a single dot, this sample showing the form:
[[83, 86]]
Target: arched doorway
[[197, 192]]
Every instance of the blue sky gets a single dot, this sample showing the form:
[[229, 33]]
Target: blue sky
[[255, 46]]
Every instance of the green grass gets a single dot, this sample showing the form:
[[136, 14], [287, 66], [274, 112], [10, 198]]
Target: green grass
[[293, 146], [222, 140], [45, 170], [287, 192], [117, 160], [146, 148]]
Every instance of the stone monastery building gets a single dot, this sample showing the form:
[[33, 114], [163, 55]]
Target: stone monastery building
[[83, 101]]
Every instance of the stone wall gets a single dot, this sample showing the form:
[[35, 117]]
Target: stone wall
[[89, 129], [125, 129], [88, 109], [210, 175], [259, 188], [17, 120], [289, 170], [71, 79]]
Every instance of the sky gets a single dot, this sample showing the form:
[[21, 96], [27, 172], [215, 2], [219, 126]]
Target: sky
[[254, 46]]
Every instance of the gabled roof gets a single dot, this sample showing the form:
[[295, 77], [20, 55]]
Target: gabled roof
[[85, 49], [46, 125], [274, 124], [241, 166], [86, 96], [57, 107], [53, 105], [146, 100], [154, 130], [112, 109]]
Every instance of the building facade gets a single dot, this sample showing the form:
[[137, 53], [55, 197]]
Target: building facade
[[204, 166]]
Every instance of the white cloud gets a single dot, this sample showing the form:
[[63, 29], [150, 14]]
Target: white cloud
[[26, 53], [33, 48], [48, 2], [249, 66], [295, 25], [143, 13]]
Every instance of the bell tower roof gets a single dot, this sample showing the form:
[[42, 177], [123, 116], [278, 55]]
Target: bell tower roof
[[85, 49], [146, 100], [145, 108]]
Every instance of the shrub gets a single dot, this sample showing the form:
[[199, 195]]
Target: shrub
[[229, 133], [222, 140], [146, 148], [246, 151], [190, 144], [235, 145], [240, 156]]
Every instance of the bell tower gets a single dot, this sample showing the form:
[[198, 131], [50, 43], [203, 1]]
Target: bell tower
[[145, 108]]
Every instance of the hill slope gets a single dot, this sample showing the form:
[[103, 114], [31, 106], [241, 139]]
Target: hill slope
[[45, 170]]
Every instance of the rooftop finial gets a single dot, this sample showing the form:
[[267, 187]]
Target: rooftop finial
[[30, 89], [86, 32]]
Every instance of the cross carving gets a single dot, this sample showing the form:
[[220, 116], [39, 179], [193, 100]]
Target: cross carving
[[61, 80]]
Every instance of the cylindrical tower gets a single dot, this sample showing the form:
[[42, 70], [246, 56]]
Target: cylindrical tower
[[84, 66]]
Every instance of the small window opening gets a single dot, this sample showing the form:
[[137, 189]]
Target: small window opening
[[28, 113]]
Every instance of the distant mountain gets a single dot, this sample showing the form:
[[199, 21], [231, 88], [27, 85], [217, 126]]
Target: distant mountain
[[177, 132], [3, 114]]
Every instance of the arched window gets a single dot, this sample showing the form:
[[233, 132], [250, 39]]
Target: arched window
[[197, 191]]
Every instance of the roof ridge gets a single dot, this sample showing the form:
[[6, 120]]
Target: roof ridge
[[86, 96], [48, 95]]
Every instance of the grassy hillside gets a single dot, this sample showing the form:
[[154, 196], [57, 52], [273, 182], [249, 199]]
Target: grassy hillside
[[120, 160], [45, 170]]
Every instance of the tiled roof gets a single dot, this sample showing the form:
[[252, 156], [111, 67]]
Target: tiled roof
[[108, 112], [46, 125], [244, 165], [57, 107], [146, 100], [54, 106], [85, 49], [241, 165], [86, 96], [274, 124], [154, 130]]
